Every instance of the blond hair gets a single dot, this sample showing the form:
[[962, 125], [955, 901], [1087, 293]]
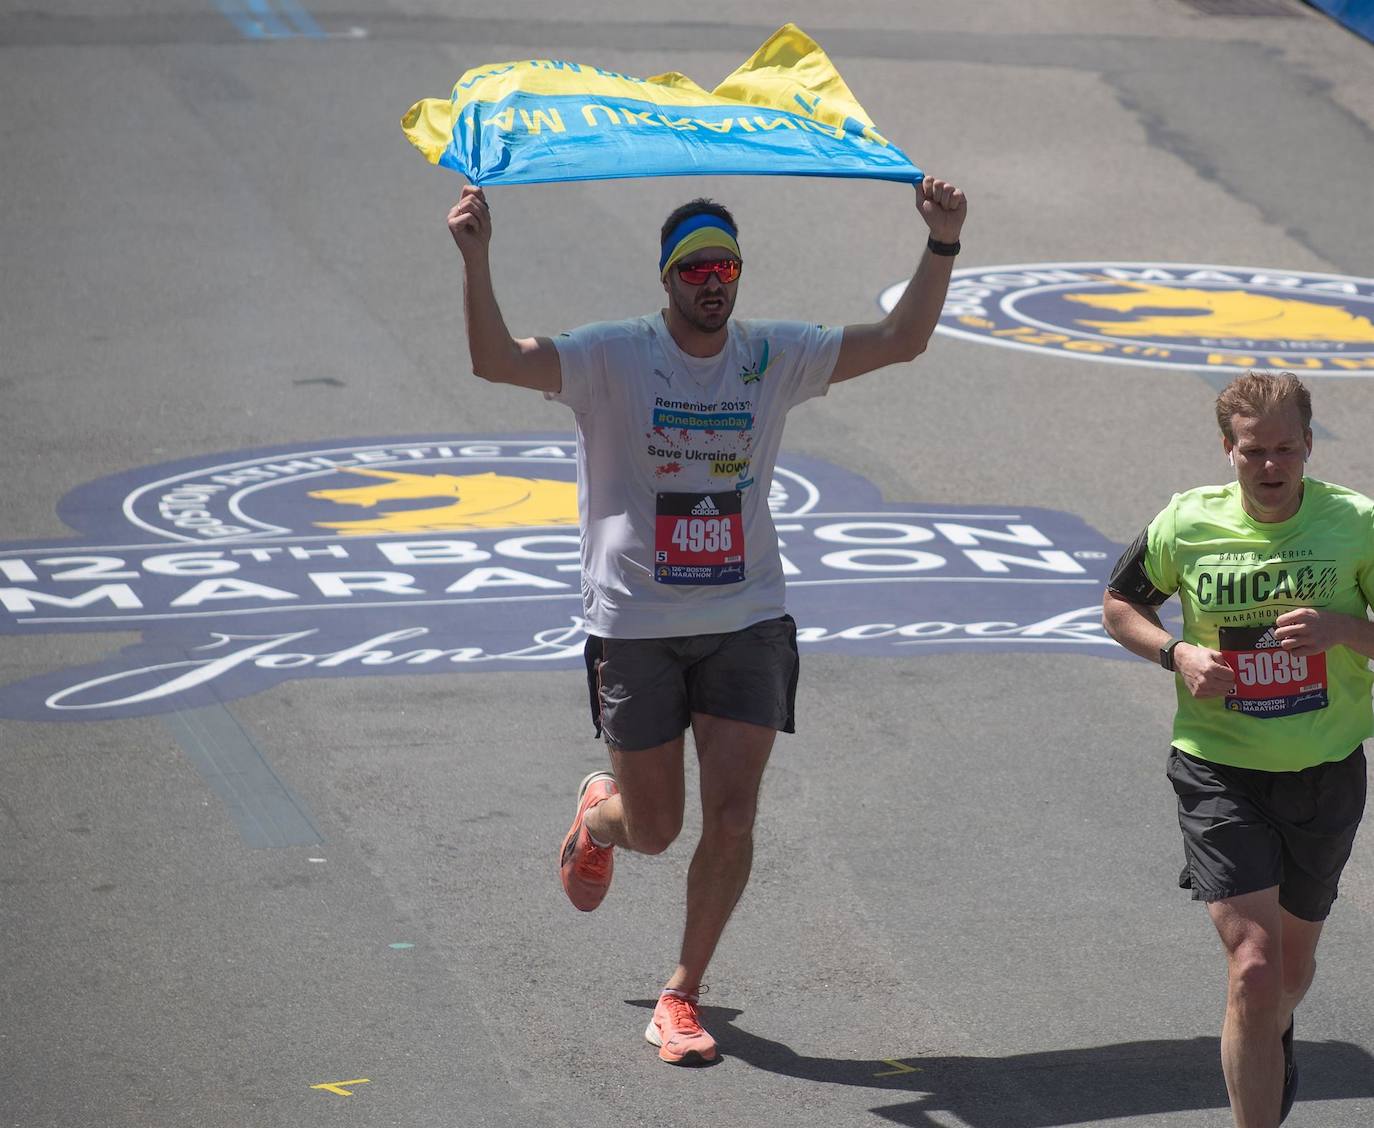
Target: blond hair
[[1257, 394]]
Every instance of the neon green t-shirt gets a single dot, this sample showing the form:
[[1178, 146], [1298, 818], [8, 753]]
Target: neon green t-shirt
[[1234, 576]]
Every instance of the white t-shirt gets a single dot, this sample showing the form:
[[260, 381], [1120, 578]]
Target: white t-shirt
[[675, 457]]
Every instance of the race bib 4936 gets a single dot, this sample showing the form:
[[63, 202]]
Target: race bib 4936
[[699, 538]]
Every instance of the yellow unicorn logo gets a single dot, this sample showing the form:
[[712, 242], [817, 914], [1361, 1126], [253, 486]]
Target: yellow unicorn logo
[[472, 501], [1224, 314]]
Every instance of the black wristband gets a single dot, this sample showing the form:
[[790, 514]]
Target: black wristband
[[949, 250], [1166, 653]]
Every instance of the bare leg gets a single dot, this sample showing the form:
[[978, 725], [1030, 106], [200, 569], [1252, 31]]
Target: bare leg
[[647, 814], [1270, 965], [732, 755], [1299, 961]]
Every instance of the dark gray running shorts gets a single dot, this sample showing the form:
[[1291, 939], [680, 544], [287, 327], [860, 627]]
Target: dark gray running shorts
[[645, 690], [1247, 830]]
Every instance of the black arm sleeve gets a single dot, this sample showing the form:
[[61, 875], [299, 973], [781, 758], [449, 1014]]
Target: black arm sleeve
[[1129, 579]]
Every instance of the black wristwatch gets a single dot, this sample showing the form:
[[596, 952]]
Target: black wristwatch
[[1166, 653]]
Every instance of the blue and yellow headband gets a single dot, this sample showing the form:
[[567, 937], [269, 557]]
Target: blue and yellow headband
[[692, 234]]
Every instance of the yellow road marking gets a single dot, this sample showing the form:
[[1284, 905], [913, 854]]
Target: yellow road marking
[[338, 1086]]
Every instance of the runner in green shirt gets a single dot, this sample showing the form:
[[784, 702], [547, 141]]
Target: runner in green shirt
[[1275, 574]]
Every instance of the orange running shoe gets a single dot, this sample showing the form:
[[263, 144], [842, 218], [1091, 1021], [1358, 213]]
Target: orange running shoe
[[586, 867], [676, 1031]]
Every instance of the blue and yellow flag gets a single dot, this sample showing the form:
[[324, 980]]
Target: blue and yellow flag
[[785, 112]]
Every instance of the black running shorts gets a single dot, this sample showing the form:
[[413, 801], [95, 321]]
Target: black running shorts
[[1247, 830], [644, 690]]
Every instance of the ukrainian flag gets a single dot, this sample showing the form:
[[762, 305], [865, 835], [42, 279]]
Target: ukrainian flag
[[785, 112]]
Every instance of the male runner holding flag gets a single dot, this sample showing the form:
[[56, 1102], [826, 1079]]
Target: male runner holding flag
[[1275, 574], [679, 418]]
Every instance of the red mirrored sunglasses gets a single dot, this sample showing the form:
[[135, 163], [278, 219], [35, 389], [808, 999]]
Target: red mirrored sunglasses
[[694, 274]]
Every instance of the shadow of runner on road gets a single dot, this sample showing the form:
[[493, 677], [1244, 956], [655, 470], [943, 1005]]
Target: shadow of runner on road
[[1049, 1089]]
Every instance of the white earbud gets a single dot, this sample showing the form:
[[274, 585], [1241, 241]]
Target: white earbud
[[1231, 457]]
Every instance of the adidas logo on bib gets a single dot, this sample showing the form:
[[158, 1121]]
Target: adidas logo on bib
[[1267, 641], [706, 507]]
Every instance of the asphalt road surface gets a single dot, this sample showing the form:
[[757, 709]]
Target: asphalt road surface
[[278, 829]]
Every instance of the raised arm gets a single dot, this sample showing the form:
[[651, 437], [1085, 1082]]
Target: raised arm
[[903, 334], [528, 362]]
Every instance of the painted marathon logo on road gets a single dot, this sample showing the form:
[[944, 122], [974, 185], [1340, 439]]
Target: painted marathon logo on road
[[1207, 318], [460, 553]]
